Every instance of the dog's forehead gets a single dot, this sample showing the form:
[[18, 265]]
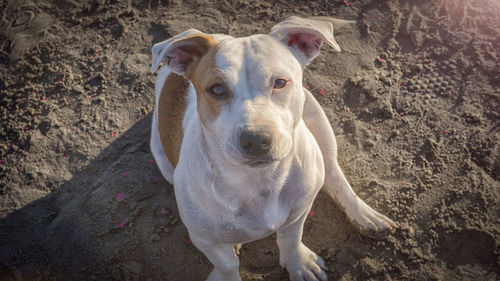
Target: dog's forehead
[[254, 57]]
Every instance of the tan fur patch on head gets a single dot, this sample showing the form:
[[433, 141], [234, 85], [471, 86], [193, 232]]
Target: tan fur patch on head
[[204, 44], [205, 75]]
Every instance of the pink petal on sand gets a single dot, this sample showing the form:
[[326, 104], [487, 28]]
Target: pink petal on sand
[[124, 174], [113, 134], [311, 213], [163, 211], [322, 91], [122, 223], [119, 196]]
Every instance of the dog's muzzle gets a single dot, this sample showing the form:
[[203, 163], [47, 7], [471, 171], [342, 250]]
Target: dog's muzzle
[[256, 145]]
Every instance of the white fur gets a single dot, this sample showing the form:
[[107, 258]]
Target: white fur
[[223, 201]]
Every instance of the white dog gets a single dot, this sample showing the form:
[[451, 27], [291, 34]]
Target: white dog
[[246, 147]]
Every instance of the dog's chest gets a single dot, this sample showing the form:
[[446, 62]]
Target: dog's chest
[[258, 218], [265, 212]]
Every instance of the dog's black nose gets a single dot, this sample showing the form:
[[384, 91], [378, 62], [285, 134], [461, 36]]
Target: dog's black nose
[[255, 143]]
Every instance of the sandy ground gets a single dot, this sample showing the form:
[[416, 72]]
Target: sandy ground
[[413, 97]]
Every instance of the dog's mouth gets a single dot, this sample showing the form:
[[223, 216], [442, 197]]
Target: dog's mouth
[[258, 163]]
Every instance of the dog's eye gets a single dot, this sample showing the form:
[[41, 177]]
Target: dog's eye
[[279, 83], [217, 90]]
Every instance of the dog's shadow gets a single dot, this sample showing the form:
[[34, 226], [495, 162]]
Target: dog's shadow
[[114, 220], [117, 219]]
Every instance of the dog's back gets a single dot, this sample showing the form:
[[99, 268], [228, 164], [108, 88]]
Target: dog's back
[[172, 105], [172, 101]]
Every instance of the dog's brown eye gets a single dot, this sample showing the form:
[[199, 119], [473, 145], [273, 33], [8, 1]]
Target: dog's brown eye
[[217, 90], [279, 83]]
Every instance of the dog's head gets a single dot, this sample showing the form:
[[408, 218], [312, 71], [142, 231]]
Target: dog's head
[[249, 90]]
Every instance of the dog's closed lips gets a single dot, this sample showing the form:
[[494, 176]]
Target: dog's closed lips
[[259, 163]]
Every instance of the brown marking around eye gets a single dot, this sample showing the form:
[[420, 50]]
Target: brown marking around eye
[[204, 76]]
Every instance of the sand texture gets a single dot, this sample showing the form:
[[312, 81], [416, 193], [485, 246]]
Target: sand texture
[[414, 99]]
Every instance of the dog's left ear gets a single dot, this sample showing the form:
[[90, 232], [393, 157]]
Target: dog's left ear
[[304, 37], [182, 51]]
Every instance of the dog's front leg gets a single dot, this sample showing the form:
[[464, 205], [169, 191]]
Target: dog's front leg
[[300, 261], [367, 219], [222, 256]]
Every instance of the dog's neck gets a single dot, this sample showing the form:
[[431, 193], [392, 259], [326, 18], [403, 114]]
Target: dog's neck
[[233, 176]]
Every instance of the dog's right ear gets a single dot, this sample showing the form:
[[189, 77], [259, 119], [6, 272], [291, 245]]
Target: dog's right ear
[[182, 51], [304, 36]]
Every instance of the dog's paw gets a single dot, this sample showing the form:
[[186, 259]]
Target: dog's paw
[[237, 249], [369, 221], [304, 265]]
